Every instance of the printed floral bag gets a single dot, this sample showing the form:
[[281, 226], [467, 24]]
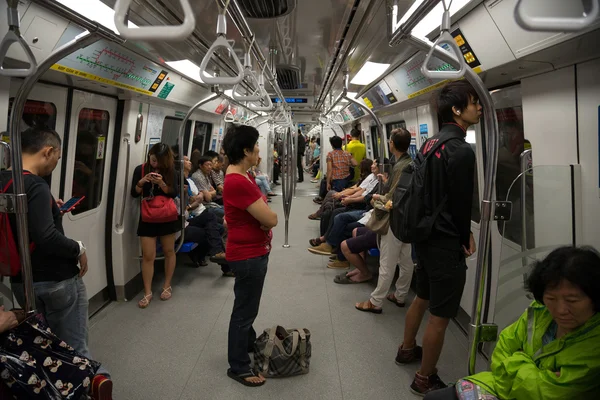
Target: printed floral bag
[[35, 364], [466, 390]]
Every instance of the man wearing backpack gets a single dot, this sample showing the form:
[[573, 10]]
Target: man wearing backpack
[[59, 289], [446, 194]]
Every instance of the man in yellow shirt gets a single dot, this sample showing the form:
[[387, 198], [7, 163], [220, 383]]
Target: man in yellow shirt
[[358, 151]]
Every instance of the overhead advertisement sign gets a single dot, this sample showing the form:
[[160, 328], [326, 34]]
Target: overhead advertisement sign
[[107, 63], [379, 96], [413, 83]]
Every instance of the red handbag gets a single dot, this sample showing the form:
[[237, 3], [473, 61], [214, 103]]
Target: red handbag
[[158, 209]]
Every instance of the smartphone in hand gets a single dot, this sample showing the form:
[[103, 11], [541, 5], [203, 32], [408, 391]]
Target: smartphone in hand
[[71, 204]]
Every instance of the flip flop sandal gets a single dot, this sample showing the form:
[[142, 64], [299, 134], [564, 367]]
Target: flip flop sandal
[[315, 242], [314, 217], [393, 299], [145, 301], [345, 280], [166, 294], [369, 308], [241, 378]]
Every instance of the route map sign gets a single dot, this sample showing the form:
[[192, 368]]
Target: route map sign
[[109, 64]]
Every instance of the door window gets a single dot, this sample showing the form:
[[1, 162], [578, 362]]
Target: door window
[[201, 138], [90, 151]]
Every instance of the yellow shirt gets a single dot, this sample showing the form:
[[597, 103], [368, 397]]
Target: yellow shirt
[[359, 152]]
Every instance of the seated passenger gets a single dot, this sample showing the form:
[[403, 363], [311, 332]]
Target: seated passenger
[[203, 180], [354, 252], [159, 179], [354, 194], [553, 351], [393, 251], [339, 163], [216, 175], [328, 243], [262, 180], [60, 293]]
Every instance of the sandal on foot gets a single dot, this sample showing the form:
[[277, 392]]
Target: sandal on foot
[[314, 217], [241, 378], [367, 306], [315, 242], [145, 301], [346, 280], [229, 274], [394, 300], [166, 294]]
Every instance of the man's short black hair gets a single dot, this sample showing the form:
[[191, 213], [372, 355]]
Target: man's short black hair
[[35, 139], [355, 133], [237, 139], [336, 142], [578, 265], [204, 159], [212, 154], [401, 139], [455, 94]]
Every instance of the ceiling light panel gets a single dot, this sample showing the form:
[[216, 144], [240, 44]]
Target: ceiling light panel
[[368, 73]]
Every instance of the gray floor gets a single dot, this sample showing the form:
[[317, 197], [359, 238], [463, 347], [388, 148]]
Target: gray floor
[[178, 349]]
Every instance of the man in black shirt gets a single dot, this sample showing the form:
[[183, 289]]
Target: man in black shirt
[[58, 280], [441, 267], [301, 150]]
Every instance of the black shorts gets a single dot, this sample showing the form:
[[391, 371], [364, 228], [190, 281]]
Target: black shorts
[[441, 275], [364, 241]]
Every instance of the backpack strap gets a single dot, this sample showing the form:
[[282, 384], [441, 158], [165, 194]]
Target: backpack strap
[[438, 145], [10, 182]]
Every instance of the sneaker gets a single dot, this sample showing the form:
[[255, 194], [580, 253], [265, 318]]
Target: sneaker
[[101, 388], [338, 265], [323, 249], [407, 356], [422, 384], [218, 258]]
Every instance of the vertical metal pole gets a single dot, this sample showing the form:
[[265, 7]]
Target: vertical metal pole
[[17, 161], [288, 179], [270, 144], [296, 171], [525, 168]]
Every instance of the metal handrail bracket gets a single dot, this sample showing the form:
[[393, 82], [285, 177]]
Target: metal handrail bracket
[[14, 36], [16, 156], [125, 191], [445, 38], [492, 140], [406, 28], [556, 24], [178, 32], [221, 42]]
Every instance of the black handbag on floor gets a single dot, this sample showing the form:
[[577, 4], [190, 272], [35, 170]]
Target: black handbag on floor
[[36, 364]]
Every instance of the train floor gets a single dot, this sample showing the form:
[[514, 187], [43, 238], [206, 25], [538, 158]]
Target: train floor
[[178, 349]]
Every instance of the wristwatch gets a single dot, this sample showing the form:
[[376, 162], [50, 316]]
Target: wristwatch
[[81, 248]]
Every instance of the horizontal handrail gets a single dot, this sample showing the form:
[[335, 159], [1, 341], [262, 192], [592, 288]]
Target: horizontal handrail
[[14, 36], [555, 24], [266, 99], [221, 42], [172, 32]]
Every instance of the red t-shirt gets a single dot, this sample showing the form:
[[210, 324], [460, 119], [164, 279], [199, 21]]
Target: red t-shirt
[[245, 239]]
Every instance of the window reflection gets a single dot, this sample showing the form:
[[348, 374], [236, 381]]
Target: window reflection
[[90, 151]]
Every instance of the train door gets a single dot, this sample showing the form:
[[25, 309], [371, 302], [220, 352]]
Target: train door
[[46, 106], [87, 170]]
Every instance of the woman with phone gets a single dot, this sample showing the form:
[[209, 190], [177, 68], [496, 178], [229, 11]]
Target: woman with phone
[[151, 180]]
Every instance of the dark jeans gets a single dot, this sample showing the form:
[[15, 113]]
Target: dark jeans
[[338, 231], [339, 184], [448, 393], [323, 188], [206, 232], [249, 280], [327, 218]]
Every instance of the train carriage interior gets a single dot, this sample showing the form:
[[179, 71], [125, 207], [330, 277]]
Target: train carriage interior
[[115, 77]]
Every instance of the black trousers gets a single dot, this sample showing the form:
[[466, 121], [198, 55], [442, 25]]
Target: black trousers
[[276, 172], [300, 170]]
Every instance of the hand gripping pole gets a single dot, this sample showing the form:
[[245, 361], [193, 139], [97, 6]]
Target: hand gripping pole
[[172, 32]]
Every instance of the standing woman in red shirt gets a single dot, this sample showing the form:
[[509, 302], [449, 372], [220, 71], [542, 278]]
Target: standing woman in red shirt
[[249, 221]]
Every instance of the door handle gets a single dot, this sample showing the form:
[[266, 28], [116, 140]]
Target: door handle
[[128, 156]]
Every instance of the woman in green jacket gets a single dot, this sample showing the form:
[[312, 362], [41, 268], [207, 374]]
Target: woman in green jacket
[[553, 351]]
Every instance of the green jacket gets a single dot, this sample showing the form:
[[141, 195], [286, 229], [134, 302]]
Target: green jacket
[[524, 370]]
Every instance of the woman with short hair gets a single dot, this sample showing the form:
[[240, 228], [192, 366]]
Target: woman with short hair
[[249, 221]]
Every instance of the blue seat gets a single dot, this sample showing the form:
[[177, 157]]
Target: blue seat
[[374, 252], [186, 248]]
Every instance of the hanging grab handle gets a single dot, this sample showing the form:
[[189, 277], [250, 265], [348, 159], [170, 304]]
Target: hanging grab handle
[[221, 42], [556, 24], [265, 99], [14, 36], [338, 118], [445, 38], [174, 32]]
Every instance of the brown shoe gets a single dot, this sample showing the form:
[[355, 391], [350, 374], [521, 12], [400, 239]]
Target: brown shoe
[[323, 249], [407, 356], [338, 264], [422, 384]]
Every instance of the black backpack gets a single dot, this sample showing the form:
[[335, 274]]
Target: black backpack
[[407, 219]]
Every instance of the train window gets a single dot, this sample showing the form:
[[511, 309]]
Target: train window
[[509, 111], [90, 150], [201, 137], [35, 114]]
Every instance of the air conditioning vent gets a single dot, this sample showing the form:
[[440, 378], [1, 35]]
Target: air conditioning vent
[[265, 9], [288, 77]]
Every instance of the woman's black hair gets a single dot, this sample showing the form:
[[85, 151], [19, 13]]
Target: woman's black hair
[[455, 94], [578, 265], [237, 139], [336, 142]]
